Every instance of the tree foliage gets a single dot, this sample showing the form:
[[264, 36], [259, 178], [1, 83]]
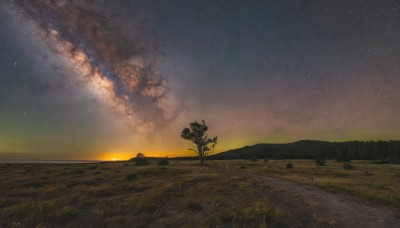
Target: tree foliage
[[197, 133], [140, 159]]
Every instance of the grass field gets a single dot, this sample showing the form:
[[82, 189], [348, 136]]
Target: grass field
[[121, 194], [181, 194], [374, 182]]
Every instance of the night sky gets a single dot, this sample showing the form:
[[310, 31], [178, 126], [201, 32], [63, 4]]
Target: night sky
[[109, 79]]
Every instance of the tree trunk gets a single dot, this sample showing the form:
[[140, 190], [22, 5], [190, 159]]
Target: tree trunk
[[201, 156]]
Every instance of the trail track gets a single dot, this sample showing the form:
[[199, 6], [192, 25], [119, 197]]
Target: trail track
[[307, 206]]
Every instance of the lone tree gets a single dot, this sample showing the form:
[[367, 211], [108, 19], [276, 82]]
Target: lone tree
[[140, 159], [197, 134]]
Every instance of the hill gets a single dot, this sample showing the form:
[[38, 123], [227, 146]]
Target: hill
[[309, 149]]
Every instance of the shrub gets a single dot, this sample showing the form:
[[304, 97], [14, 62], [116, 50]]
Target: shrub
[[163, 161], [64, 214], [320, 161], [380, 162], [93, 167], [131, 176], [368, 173], [342, 157], [76, 172], [289, 166], [145, 207], [348, 166], [193, 206], [259, 214], [140, 160], [34, 184]]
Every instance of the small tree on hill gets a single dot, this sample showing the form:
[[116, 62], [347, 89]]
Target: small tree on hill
[[197, 134], [140, 159]]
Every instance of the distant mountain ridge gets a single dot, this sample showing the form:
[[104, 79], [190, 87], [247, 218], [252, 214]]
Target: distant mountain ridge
[[309, 149]]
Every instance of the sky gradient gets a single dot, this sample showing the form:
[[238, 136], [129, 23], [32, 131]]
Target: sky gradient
[[109, 79]]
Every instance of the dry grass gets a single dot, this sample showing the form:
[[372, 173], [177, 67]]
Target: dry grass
[[375, 182], [116, 194], [181, 194]]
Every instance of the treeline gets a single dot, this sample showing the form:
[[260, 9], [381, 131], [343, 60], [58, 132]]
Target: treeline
[[388, 151]]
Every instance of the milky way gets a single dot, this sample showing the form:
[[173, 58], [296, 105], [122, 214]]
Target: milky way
[[91, 78], [117, 65]]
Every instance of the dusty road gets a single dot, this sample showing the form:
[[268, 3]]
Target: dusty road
[[307, 206]]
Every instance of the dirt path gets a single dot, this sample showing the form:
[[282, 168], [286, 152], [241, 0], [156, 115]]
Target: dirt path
[[306, 206]]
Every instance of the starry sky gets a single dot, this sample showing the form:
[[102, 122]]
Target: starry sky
[[106, 79]]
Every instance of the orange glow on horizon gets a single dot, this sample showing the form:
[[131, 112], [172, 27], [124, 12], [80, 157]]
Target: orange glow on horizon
[[120, 156], [110, 156]]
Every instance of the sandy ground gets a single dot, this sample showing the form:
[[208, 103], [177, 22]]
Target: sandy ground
[[307, 206]]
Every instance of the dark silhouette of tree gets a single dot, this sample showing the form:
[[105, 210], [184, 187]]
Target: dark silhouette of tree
[[320, 159], [163, 161], [197, 134], [383, 150], [140, 159], [342, 154]]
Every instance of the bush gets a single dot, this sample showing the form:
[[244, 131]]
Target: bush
[[140, 160], [348, 166], [64, 214], [342, 157], [259, 214], [289, 166], [320, 161], [368, 173], [131, 176], [76, 172], [194, 206], [381, 162], [163, 161]]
